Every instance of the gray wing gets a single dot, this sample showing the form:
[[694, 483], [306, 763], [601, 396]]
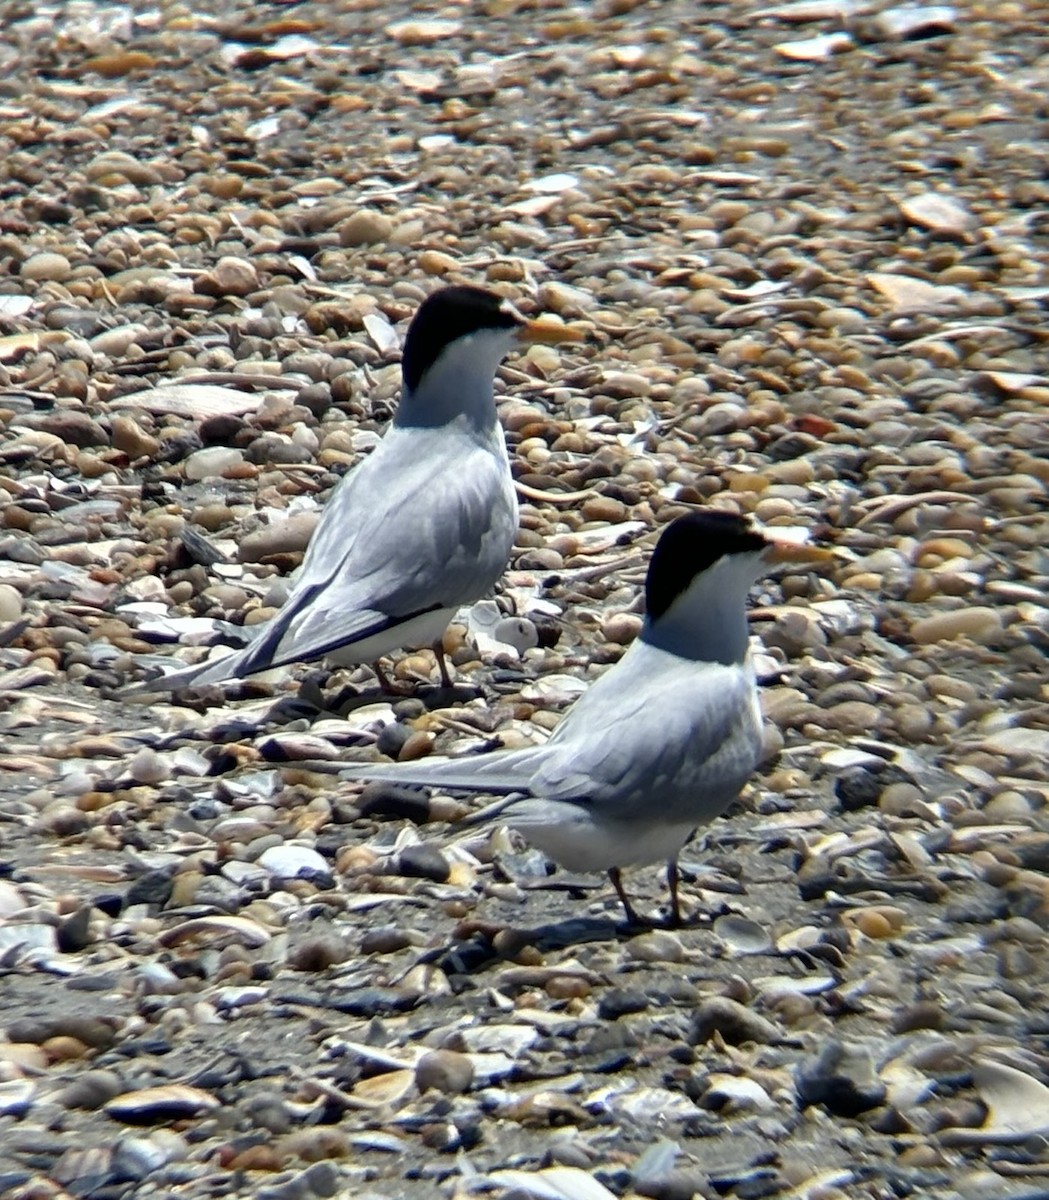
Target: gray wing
[[655, 731], [400, 536], [501, 771]]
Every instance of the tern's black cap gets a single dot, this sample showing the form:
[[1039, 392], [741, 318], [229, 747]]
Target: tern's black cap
[[444, 317], [687, 547]]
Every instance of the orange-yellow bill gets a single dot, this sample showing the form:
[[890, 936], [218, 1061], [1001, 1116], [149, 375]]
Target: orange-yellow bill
[[796, 552], [548, 333]]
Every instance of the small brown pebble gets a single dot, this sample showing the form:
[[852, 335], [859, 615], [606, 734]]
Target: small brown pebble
[[926, 1014], [733, 1021], [567, 987], [604, 508], [622, 628], [445, 1071], [384, 941], [317, 952], [64, 1049]]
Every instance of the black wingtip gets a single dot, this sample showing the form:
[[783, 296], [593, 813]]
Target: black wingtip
[[688, 546]]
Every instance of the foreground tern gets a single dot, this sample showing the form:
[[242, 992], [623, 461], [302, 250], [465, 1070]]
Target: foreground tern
[[663, 741], [422, 526]]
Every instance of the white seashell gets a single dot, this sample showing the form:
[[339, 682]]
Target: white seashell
[[743, 936], [907, 1086], [511, 1039], [938, 212], [422, 32], [381, 1090], [175, 1099], [815, 49], [910, 19], [226, 999], [518, 633], [11, 899], [197, 400], [19, 939], [653, 1104], [553, 1183], [16, 1096], [794, 985], [554, 689], [15, 306], [288, 862], [233, 930], [435, 141], [381, 332], [259, 130], [1019, 741], [534, 206], [907, 294], [1017, 1104], [550, 184], [419, 81], [736, 1093], [489, 1068]]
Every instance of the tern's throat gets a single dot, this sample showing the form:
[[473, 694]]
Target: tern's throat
[[708, 620], [458, 385]]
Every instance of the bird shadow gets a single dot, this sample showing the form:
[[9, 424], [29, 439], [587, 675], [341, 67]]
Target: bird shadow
[[431, 696], [475, 946]]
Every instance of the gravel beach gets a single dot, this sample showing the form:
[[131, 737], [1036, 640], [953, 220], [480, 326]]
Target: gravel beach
[[808, 243]]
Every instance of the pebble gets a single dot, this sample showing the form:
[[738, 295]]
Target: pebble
[[424, 861], [835, 360], [229, 277], [46, 266], [364, 228], [980, 624], [735, 1023], [211, 462], [10, 603], [288, 536], [621, 628], [842, 1079], [444, 1071]]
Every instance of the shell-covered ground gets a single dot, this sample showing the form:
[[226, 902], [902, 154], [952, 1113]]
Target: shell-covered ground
[[809, 242]]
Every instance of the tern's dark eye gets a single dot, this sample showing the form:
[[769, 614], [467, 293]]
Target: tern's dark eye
[[443, 318]]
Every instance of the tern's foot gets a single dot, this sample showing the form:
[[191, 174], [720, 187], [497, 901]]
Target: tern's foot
[[389, 686]]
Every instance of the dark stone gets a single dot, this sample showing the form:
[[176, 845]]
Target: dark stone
[[619, 1002], [74, 933], [92, 1031], [841, 1078], [220, 430], [610, 1037], [857, 787], [394, 801], [375, 1002], [387, 940], [392, 738], [268, 451], [152, 888], [424, 862], [74, 428], [316, 397]]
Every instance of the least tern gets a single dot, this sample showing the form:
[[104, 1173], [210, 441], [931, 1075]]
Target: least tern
[[663, 741], [425, 524]]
